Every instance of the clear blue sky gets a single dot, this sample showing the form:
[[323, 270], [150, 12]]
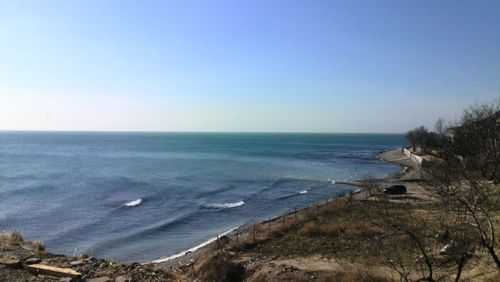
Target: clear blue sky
[[307, 66]]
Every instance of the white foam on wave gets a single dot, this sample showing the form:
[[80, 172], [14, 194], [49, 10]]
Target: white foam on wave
[[226, 205], [134, 203], [195, 248], [292, 195]]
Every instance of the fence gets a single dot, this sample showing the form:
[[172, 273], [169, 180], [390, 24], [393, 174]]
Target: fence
[[251, 234]]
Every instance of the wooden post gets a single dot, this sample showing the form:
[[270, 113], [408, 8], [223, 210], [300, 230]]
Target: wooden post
[[295, 214], [237, 239], [254, 232], [216, 245], [307, 210], [269, 227], [283, 224]]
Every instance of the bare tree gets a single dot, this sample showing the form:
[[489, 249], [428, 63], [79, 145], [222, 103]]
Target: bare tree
[[476, 139], [463, 181], [458, 179], [426, 244], [415, 236], [413, 138], [370, 185], [440, 127], [459, 241], [419, 136], [474, 200]]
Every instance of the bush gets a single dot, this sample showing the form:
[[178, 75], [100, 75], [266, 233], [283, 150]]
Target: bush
[[10, 239], [220, 268]]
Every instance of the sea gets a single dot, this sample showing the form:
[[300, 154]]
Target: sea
[[149, 196]]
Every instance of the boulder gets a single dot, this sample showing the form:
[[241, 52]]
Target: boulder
[[10, 262]]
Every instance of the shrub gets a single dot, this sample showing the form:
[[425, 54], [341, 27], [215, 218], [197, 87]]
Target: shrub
[[11, 238]]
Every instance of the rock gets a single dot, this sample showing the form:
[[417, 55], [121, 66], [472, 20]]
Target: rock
[[100, 273], [76, 262], [33, 260], [100, 279], [12, 263], [66, 279], [83, 256], [122, 279]]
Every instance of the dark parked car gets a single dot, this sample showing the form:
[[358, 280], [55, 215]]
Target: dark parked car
[[395, 190]]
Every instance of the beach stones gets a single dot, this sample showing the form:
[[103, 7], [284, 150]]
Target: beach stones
[[122, 279], [76, 262], [100, 279], [33, 260], [10, 262]]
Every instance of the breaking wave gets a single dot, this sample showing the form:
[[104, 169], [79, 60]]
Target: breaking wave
[[292, 195], [224, 205], [133, 203]]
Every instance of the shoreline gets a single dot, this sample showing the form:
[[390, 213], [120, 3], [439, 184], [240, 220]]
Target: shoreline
[[177, 266], [188, 257]]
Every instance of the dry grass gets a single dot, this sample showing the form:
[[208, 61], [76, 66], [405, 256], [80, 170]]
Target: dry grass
[[219, 268], [11, 239], [354, 275], [337, 230], [37, 245], [359, 275], [354, 232], [493, 278], [310, 229]]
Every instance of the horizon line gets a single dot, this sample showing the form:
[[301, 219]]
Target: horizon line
[[195, 131]]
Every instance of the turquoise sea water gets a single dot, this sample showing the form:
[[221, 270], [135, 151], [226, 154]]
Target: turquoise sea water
[[144, 196]]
